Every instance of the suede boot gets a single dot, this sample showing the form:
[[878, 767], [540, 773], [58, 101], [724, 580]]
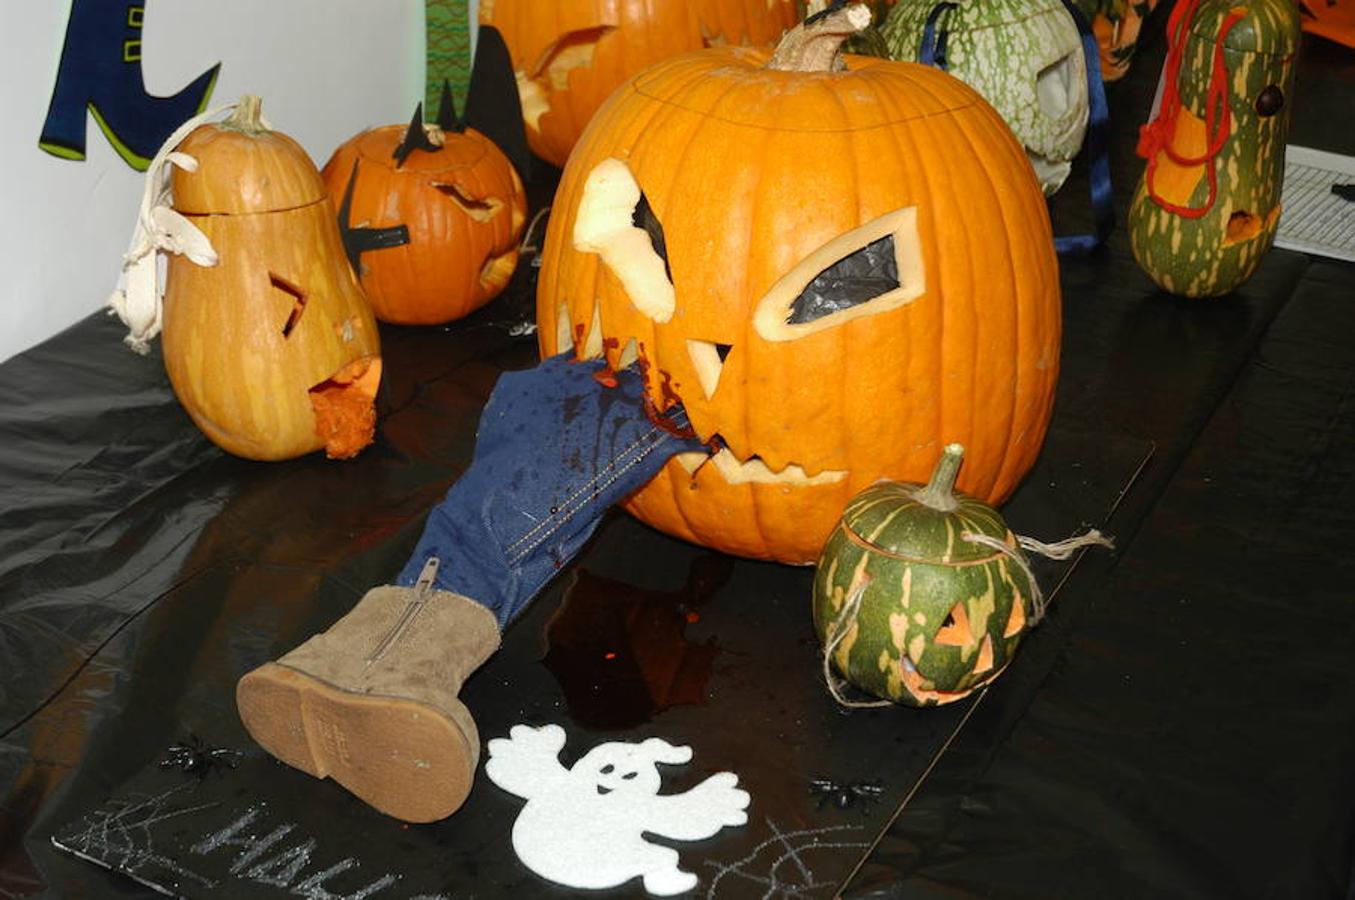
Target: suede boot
[[372, 702]]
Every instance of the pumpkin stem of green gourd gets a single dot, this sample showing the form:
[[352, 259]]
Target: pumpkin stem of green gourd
[[940, 491], [816, 46], [247, 117]]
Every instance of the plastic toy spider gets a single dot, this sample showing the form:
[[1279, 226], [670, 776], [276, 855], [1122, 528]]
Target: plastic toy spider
[[196, 758], [844, 796]]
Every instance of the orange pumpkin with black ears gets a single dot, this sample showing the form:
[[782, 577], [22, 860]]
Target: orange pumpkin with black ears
[[570, 55], [431, 217], [836, 271]]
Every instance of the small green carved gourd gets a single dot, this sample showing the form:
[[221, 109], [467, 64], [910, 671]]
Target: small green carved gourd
[[1208, 204], [908, 609]]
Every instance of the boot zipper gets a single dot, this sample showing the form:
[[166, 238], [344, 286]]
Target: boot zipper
[[423, 588]]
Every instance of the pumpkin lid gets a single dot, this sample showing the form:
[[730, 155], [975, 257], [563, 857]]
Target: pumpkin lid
[[925, 523], [244, 167], [459, 150]]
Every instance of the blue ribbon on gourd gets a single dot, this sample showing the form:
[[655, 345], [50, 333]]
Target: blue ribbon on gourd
[[933, 53]]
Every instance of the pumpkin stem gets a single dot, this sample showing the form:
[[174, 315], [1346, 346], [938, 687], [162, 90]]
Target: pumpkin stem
[[816, 44], [247, 117], [940, 491]]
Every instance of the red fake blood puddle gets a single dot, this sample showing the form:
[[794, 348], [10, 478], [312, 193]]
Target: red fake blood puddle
[[620, 652], [607, 376]]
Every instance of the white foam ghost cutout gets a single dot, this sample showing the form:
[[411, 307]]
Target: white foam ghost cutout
[[583, 827]]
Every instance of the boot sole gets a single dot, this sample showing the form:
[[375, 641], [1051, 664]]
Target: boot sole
[[406, 759]]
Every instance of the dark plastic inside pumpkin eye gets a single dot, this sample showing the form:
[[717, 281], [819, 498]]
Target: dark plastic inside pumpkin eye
[[864, 275], [1270, 101], [643, 218]]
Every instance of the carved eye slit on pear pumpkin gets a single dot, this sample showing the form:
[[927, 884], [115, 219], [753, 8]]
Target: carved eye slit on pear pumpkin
[[868, 270]]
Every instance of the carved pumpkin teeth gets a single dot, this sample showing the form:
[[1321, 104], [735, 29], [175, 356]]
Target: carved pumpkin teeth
[[708, 358], [755, 471]]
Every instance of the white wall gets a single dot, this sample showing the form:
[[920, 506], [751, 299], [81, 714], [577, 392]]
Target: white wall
[[325, 68]]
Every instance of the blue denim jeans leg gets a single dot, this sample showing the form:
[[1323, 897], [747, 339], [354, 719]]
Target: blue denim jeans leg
[[556, 447]]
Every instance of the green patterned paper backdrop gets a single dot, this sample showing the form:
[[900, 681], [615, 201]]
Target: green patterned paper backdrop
[[447, 25]]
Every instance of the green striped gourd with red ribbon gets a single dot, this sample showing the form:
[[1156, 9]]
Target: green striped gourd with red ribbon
[[910, 610], [1208, 204]]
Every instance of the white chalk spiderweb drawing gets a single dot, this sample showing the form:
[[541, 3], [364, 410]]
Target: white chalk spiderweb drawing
[[780, 865], [119, 837]]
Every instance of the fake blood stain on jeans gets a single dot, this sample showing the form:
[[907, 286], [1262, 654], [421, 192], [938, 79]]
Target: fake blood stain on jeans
[[621, 653]]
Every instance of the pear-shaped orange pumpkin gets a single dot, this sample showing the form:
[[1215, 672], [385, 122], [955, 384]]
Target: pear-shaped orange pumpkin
[[273, 351]]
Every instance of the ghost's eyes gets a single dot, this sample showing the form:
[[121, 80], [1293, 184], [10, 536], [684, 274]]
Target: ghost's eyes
[[616, 222], [868, 270]]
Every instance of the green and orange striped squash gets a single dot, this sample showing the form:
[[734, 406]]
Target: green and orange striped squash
[[919, 615], [1211, 255]]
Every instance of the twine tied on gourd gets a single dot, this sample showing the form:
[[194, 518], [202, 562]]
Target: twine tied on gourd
[[841, 624], [160, 228]]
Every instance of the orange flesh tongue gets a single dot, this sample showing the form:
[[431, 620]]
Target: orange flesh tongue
[[345, 407]]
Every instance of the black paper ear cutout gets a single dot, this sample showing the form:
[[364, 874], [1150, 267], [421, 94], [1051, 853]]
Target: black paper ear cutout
[[447, 117], [415, 139], [492, 104], [357, 241]]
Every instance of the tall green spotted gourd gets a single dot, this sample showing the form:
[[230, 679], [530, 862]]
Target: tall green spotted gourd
[[907, 608], [1024, 56], [1208, 203]]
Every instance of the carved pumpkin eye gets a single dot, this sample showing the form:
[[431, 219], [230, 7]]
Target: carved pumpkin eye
[[1054, 87], [481, 210], [615, 221], [870, 269], [955, 631], [572, 50], [1270, 101]]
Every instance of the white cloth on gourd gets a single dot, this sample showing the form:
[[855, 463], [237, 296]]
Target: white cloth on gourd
[[159, 228]]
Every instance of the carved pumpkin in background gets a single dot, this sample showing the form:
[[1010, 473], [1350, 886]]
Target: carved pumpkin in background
[[273, 351], [1024, 56], [431, 217], [1331, 19], [571, 54], [833, 271]]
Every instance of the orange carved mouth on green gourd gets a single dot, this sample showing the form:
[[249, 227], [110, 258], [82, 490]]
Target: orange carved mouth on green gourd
[[1207, 206]]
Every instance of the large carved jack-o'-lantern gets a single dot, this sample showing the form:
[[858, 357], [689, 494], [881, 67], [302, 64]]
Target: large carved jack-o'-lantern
[[571, 54], [833, 271], [273, 350]]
